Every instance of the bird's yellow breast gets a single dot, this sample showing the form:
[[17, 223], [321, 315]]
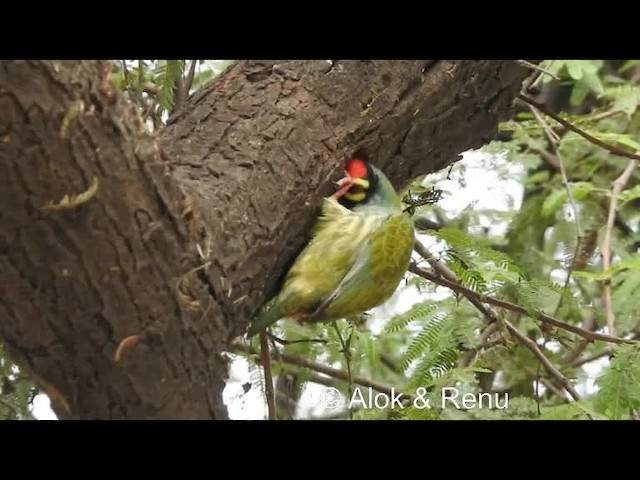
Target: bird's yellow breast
[[369, 249], [391, 247], [324, 263]]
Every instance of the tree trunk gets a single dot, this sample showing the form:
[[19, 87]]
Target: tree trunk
[[176, 240]]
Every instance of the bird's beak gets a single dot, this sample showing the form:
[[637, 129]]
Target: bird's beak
[[344, 185]]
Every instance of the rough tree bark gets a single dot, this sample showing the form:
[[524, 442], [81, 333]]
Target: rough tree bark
[[239, 172]]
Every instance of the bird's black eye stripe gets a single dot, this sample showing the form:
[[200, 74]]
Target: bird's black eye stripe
[[357, 189]]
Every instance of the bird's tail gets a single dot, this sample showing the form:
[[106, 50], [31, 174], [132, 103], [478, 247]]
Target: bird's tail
[[265, 318]]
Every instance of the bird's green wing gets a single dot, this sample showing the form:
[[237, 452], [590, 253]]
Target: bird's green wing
[[338, 238], [357, 272], [376, 272]]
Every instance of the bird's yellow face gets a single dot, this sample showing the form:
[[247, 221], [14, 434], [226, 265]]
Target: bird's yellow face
[[358, 184], [356, 188]]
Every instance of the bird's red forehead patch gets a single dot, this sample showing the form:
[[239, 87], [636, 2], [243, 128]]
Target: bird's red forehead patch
[[356, 168]]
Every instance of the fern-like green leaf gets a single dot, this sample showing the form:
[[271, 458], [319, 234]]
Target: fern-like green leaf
[[620, 385], [167, 75], [420, 311], [629, 195], [625, 299], [475, 264], [427, 337], [625, 98], [466, 275], [542, 295], [568, 411], [444, 360]]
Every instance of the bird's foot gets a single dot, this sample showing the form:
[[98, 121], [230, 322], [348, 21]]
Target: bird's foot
[[301, 318], [358, 320]]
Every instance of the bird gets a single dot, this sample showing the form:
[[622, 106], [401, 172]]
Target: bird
[[359, 250]]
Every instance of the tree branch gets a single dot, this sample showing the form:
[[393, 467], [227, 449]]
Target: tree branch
[[611, 148], [190, 76], [268, 378], [533, 66], [489, 313], [551, 161], [547, 383], [605, 250], [578, 362], [602, 115], [140, 83], [588, 323], [184, 86], [125, 72], [318, 367], [456, 287], [553, 141], [484, 342], [549, 367]]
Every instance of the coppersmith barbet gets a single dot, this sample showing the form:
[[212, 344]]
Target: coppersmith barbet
[[359, 250]]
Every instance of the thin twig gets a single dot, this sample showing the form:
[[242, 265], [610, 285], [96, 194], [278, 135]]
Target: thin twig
[[457, 287], [183, 85], [436, 264], [556, 391], [478, 302], [484, 343], [611, 148], [548, 131], [547, 383], [588, 323], [578, 362], [318, 367], [125, 70], [605, 250], [538, 378], [178, 90], [140, 82], [190, 76], [602, 115], [575, 351], [533, 80], [313, 377], [532, 66], [550, 160], [619, 222], [553, 141], [268, 378], [551, 369], [347, 360]]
